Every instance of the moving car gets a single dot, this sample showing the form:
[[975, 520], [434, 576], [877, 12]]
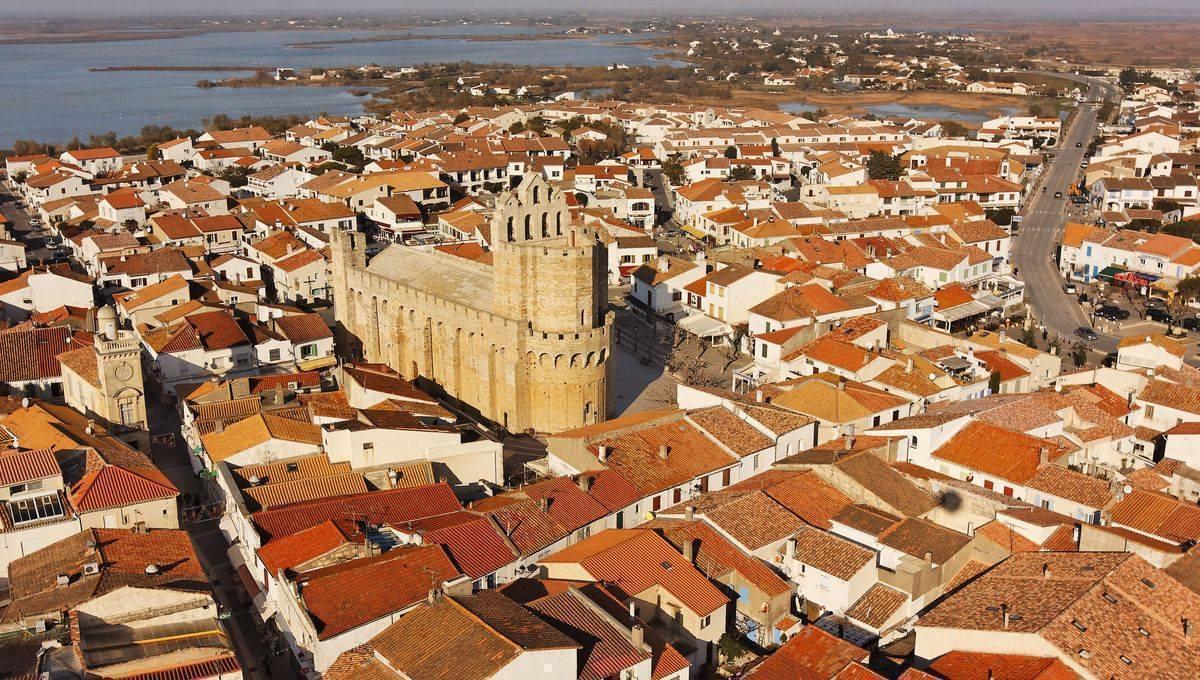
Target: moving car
[[1058, 194], [1087, 333], [1069, 288], [1078, 145]]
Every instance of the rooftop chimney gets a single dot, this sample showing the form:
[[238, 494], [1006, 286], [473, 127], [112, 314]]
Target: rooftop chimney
[[602, 453], [585, 483], [664, 451], [689, 513], [544, 504], [908, 368], [663, 264], [1188, 627], [1045, 570], [1043, 455], [637, 635], [689, 549], [790, 549], [434, 595], [1004, 613], [758, 396]]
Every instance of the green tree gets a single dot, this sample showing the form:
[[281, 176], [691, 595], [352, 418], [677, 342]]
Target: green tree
[[775, 147], [673, 170], [152, 153], [1079, 355], [994, 382], [883, 166], [731, 151], [1029, 338], [20, 177], [731, 648], [953, 128], [1189, 288], [461, 118], [741, 173], [235, 175], [1166, 205], [1001, 216]]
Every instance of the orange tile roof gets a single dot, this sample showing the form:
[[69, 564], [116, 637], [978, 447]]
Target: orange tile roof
[[636, 560], [981, 666], [716, 556], [811, 654], [1012, 456], [343, 597], [292, 551]]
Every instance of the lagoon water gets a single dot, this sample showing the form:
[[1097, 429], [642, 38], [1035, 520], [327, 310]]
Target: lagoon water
[[50, 95], [927, 112]]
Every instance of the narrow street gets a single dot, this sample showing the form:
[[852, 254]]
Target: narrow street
[[246, 633], [1042, 228]]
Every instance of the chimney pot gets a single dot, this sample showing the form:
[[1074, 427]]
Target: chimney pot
[[1046, 570], [602, 453], [758, 396], [791, 548], [689, 550], [689, 513], [664, 451], [585, 483]]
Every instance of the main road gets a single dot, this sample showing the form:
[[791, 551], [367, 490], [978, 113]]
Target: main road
[[1045, 217]]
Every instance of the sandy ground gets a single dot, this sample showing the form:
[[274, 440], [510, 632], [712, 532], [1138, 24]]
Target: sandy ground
[[853, 102]]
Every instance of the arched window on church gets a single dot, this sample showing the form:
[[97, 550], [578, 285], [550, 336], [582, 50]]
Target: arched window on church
[[537, 195], [510, 229], [545, 225], [558, 223], [528, 227], [587, 412]]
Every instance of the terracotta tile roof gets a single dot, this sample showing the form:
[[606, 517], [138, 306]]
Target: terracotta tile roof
[[877, 605], [82, 362], [636, 560], [122, 556], [393, 507], [822, 398], [726, 427], [473, 542], [26, 466], [302, 328], [1074, 486], [492, 627], [716, 556], [301, 490], [1098, 603], [754, 519], [606, 649], [32, 354], [866, 519], [1012, 456], [304, 546], [979, 666], [1157, 514], [1004, 537], [917, 537], [831, 554], [1161, 393], [875, 475], [811, 654], [256, 430], [343, 597], [637, 456], [611, 490]]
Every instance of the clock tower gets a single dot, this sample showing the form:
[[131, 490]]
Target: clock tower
[[122, 394]]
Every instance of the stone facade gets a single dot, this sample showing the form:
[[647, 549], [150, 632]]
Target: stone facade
[[526, 341]]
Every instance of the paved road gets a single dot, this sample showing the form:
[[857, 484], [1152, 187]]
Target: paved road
[[1044, 217], [33, 237]]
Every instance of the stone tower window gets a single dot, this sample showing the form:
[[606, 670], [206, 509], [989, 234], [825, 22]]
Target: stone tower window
[[558, 223], [510, 229], [545, 225], [537, 195], [528, 227]]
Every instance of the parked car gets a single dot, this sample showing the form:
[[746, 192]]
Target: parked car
[[1112, 313], [1069, 288], [1160, 315], [1058, 194], [1191, 323], [1087, 333], [1156, 303], [1078, 145]]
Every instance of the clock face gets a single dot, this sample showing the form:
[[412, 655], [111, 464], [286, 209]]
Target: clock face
[[123, 371]]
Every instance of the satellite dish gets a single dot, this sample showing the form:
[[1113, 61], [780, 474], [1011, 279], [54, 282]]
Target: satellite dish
[[1128, 488]]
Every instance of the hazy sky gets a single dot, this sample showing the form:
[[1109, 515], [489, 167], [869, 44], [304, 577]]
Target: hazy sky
[[195, 7]]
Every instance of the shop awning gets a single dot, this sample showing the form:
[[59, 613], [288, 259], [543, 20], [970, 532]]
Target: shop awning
[[694, 232], [703, 326], [1108, 273]]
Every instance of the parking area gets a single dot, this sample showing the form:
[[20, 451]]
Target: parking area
[[1122, 311]]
